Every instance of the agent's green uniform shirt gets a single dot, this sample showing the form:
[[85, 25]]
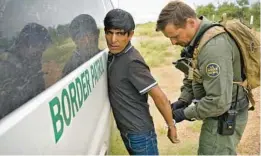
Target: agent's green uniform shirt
[[219, 65]]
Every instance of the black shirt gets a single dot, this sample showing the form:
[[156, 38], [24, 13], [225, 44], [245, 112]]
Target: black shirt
[[129, 80]]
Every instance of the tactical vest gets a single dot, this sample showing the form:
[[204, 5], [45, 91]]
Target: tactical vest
[[211, 33]]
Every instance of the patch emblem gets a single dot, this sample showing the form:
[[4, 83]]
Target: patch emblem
[[213, 70]]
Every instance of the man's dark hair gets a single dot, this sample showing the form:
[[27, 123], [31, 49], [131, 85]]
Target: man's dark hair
[[175, 12], [83, 25], [119, 19]]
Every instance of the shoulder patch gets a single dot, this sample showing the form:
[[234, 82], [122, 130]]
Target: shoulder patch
[[212, 70]]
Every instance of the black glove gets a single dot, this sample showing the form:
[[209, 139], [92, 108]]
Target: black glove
[[178, 104], [178, 115]]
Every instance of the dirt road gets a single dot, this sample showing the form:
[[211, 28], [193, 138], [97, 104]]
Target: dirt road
[[170, 80]]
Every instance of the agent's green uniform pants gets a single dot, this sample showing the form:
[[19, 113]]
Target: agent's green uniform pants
[[212, 143]]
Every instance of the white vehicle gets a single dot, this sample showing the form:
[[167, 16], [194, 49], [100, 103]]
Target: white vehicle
[[71, 115]]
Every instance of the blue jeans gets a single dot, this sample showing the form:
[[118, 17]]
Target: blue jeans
[[141, 143]]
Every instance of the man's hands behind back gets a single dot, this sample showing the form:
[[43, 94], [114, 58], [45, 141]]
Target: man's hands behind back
[[172, 134]]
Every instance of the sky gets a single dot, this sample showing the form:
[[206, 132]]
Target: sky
[[148, 10]]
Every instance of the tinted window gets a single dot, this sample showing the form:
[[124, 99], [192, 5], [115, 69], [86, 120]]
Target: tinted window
[[42, 41]]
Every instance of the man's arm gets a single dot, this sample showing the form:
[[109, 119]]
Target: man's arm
[[141, 78], [163, 106]]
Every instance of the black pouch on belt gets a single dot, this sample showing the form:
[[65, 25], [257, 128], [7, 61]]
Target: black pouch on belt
[[227, 121]]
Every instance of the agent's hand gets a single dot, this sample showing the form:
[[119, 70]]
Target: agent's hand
[[178, 115], [178, 104], [172, 134]]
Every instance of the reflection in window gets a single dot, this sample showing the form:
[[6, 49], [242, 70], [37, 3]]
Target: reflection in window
[[74, 44], [84, 33], [21, 66], [40, 40]]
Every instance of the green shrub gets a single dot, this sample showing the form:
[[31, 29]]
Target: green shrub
[[116, 144], [154, 51], [147, 29], [59, 53]]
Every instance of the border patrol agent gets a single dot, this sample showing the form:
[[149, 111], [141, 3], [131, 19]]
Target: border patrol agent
[[217, 64], [129, 83]]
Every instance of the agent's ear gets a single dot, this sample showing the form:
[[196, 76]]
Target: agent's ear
[[190, 22]]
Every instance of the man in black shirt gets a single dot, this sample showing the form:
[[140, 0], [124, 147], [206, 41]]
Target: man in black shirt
[[130, 82]]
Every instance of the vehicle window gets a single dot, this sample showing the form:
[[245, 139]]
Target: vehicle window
[[41, 41]]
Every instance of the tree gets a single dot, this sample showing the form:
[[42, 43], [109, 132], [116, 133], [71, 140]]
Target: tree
[[207, 10], [230, 8], [255, 11], [240, 10], [244, 11], [242, 3]]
